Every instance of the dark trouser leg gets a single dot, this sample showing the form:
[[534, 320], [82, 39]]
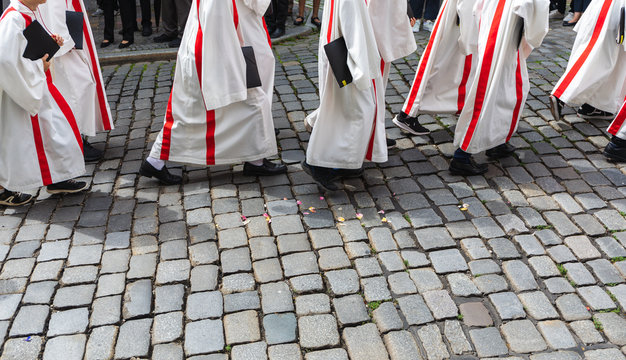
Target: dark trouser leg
[[182, 13], [281, 13], [108, 7], [432, 9], [169, 18], [128, 12], [146, 13]]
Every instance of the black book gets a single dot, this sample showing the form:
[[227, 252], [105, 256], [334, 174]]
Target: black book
[[337, 54], [39, 43], [252, 70], [74, 21]]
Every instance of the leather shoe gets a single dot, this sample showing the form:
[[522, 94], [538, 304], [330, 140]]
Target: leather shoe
[[105, 43], [556, 105], [267, 169], [458, 167], [500, 151], [162, 175], [277, 33], [163, 38], [90, 153], [146, 31], [322, 176], [615, 150], [391, 142], [124, 45], [347, 173]]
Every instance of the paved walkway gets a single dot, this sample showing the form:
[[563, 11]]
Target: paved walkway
[[408, 262]]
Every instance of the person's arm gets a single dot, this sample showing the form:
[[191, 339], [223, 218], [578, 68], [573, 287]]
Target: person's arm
[[23, 80]]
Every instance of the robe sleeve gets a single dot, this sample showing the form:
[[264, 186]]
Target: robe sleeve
[[536, 23], [53, 16], [355, 26], [223, 65], [468, 26], [23, 80], [258, 6]]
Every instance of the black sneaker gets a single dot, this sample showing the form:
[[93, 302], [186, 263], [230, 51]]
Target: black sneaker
[[410, 124], [458, 167], [500, 151], [163, 38], [90, 153], [323, 176], [162, 175], [556, 106], [615, 150], [12, 198], [267, 169], [588, 112], [174, 43], [391, 142], [67, 187]]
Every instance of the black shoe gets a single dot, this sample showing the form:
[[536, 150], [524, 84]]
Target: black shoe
[[347, 173], [323, 176], [458, 167], [105, 43], [589, 112], [146, 31], [616, 149], [567, 23], [67, 187], [162, 175], [124, 45], [500, 151], [12, 198], [163, 38], [276, 131], [410, 124], [90, 153], [277, 33], [391, 142], [267, 169], [556, 106], [174, 43]]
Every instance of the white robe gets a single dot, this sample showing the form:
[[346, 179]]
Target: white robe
[[41, 143], [597, 65], [395, 40], [448, 63], [496, 97], [76, 73], [346, 124], [617, 127], [212, 118]]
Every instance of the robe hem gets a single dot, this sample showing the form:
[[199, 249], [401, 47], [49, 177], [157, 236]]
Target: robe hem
[[195, 162], [39, 184]]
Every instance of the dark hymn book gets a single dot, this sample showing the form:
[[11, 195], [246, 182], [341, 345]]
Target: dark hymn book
[[74, 21], [252, 70], [337, 54], [39, 43]]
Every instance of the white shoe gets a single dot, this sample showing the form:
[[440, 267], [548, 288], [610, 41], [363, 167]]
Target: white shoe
[[428, 25], [568, 17], [416, 27], [555, 14]]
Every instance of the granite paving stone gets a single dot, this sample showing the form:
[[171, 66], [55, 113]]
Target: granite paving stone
[[407, 261]]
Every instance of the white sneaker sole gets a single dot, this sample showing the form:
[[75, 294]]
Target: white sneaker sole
[[403, 126], [8, 203], [53, 192]]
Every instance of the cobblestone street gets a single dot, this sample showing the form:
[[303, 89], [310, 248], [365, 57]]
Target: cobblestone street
[[407, 262]]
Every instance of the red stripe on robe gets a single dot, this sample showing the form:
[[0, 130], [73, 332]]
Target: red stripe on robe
[[467, 69], [619, 120], [422, 68], [519, 91], [569, 77], [102, 101], [44, 169], [485, 71]]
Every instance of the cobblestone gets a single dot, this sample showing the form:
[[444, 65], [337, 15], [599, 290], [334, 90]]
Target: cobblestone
[[136, 270]]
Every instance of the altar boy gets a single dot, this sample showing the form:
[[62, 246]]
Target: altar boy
[[41, 144]]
